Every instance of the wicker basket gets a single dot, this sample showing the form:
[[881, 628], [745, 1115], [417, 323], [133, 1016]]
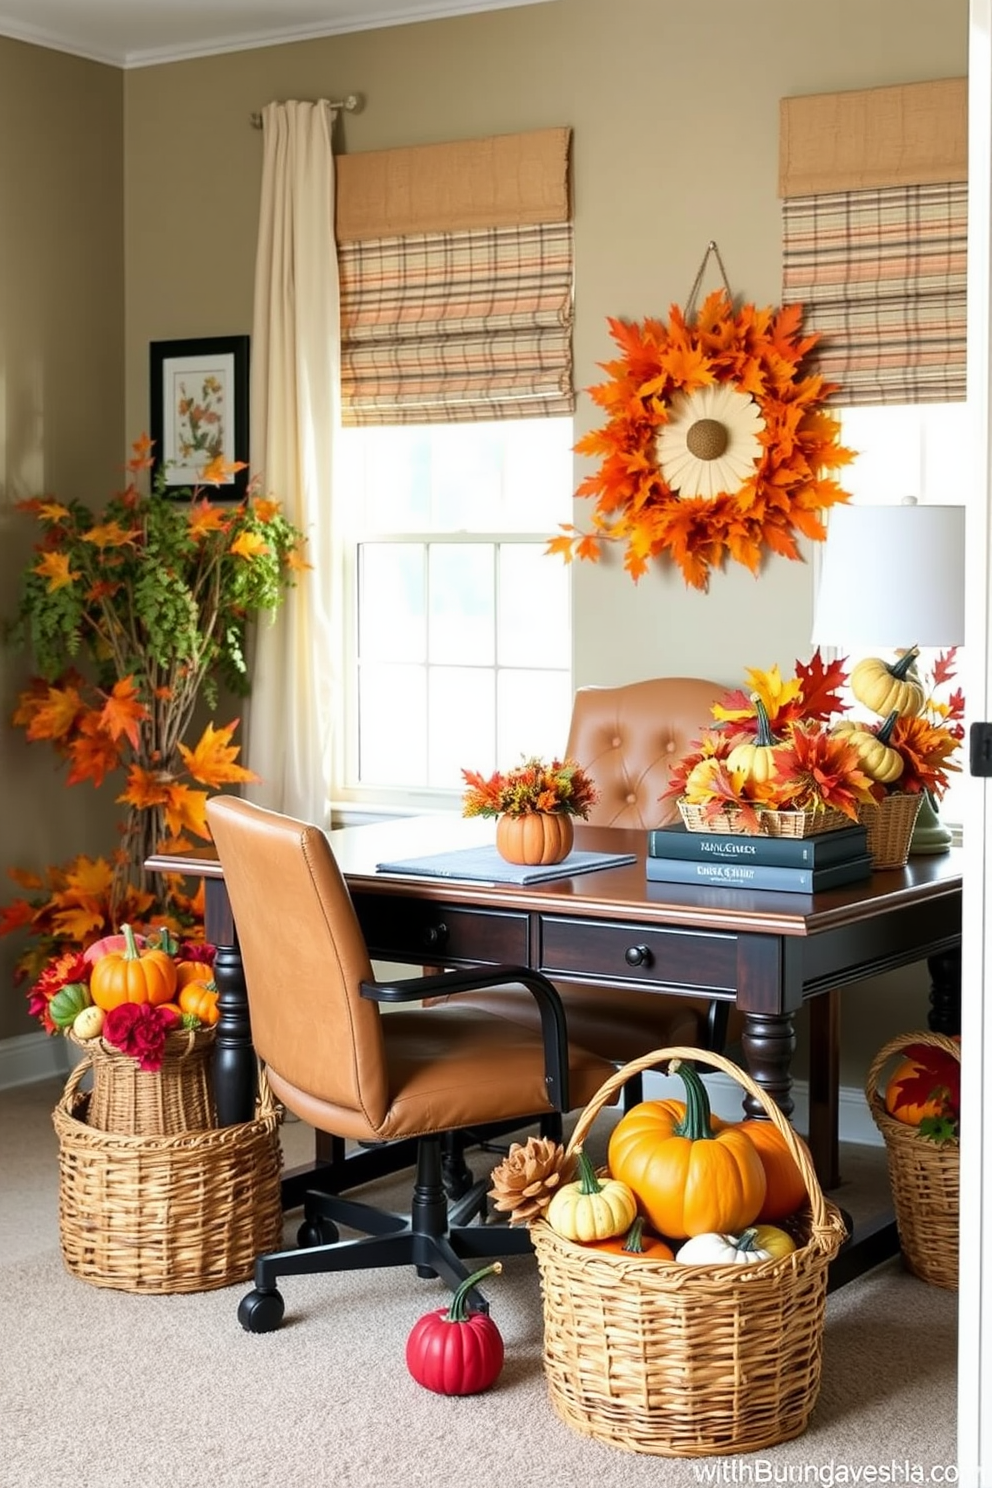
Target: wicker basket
[[679, 1360], [145, 1103], [890, 828], [182, 1213], [770, 823], [924, 1176]]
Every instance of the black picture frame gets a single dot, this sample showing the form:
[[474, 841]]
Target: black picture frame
[[213, 372]]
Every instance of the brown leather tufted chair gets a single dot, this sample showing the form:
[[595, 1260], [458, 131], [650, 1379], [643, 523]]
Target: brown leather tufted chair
[[628, 738], [342, 1067]]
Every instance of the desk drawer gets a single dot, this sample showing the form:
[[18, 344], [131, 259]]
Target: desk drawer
[[595, 951], [397, 929]]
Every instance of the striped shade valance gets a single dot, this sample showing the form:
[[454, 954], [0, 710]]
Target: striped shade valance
[[882, 277], [456, 326]]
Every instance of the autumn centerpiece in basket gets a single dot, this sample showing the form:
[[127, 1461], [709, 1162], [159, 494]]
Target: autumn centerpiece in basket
[[535, 804], [143, 1009], [785, 757]]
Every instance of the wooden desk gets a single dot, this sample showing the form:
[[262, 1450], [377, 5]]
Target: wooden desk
[[770, 953]]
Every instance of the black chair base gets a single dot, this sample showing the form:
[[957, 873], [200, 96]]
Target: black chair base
[[437, 1237]]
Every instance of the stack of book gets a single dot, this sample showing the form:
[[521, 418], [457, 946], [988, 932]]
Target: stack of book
[[797, 865]]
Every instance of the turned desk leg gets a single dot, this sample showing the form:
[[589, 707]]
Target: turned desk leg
[[235, 1069], [945, 992], [769, 1042]]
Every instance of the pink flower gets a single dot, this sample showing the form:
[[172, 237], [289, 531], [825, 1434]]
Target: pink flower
[[139, 1029]]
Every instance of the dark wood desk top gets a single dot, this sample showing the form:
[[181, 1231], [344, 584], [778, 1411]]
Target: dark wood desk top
[[616, 893]]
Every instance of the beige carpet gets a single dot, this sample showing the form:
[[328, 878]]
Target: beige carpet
[[102, 1388]]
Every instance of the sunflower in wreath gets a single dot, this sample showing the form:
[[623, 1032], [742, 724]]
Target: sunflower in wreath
[[717, 444]]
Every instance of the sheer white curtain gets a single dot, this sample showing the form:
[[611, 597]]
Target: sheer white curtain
[[295, 409]]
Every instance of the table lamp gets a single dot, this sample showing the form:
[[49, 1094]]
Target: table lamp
[[893, 576]]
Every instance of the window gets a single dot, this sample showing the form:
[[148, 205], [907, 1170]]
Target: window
[[920, 450], [457, 630]]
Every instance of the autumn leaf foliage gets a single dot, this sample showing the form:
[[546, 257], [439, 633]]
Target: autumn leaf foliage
[[134, 618], [761, 353]]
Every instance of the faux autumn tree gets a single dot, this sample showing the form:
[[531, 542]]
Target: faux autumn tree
[[133, 616]]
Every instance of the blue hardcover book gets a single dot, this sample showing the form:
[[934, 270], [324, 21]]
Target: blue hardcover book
[[817, 851], [746, 875]]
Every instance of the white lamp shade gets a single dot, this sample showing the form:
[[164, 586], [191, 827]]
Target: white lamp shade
[[892, 576]]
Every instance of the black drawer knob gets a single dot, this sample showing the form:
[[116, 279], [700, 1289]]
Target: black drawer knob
[[638, 956], [435, 935]]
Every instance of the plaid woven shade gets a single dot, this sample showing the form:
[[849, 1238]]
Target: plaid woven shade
[[881, 276], [457, 326]]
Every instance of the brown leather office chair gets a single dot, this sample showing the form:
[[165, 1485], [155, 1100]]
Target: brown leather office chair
[[628, 738], [333, 1060]]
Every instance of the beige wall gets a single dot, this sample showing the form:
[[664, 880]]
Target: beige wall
[[61, 397], [674, 111]]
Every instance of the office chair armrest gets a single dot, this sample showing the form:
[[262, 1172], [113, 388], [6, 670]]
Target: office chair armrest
[[445, 983]]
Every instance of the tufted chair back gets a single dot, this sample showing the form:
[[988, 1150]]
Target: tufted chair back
[[629, 737]]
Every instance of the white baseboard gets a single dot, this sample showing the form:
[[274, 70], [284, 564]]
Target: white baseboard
[[35, 1056], [725, 1094], [30, 1057]]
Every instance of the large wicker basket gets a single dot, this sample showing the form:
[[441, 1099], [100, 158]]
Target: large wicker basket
[[679, 1360], [890, 828], [924, 1176], [770, 823], [152, 1103], [181, 1213]]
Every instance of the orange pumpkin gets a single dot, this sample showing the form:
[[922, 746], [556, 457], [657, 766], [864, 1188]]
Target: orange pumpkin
[[132, 975], [200, 1000], [191, 971], [785, 1188], [635, 1245], [688, 1178], [536, 837]]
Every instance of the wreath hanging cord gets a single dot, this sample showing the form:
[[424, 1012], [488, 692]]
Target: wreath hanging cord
[[717, 444]]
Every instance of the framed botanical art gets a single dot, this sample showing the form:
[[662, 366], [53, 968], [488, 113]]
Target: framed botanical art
[[199, 412]]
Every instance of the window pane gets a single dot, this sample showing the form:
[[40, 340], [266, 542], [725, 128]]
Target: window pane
[[462, 622], [537, 474], [467, 478], [392, 624], [398, 479], [533, 607], [392, 725], [534, 709], [463, 724]]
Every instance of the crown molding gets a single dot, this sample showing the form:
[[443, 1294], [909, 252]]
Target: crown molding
[[357, 15]]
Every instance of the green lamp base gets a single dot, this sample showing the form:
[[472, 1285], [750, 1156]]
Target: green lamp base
[[929, 835]]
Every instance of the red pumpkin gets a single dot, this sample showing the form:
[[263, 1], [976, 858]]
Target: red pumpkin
[[455, 1352], [109, 943], [785, 1188]]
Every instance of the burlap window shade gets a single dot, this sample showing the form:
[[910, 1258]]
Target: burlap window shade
[[875, 219], [455, 266]]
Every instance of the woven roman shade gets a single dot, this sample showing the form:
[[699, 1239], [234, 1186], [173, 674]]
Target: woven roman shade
[[465, 313], [875, 224]]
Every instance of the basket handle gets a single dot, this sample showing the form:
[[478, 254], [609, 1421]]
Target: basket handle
[[898, 1046], [797, 1149]]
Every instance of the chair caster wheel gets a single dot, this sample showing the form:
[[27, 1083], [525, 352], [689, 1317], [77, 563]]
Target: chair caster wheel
[[261, 1312], [317, 1232]]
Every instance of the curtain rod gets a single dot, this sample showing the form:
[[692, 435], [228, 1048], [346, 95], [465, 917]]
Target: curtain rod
[[353, 104]]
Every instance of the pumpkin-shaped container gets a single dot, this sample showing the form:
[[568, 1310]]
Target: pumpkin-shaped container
[[623, 1333], [535, 838]]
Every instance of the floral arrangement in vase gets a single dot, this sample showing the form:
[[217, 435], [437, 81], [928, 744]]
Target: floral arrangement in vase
[[788, 745], [535, 803], [134, 616]]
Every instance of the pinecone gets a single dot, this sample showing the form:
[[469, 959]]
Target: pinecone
[[525, 1180]]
